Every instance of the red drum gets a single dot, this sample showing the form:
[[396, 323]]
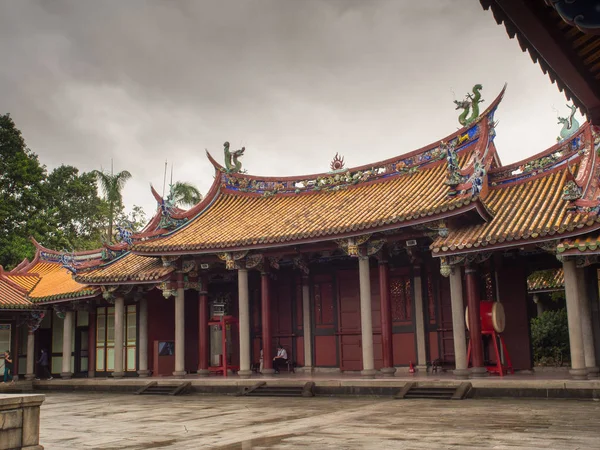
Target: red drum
[[491, 315]]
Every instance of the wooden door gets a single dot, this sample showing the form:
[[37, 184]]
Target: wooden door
[[350, 339]]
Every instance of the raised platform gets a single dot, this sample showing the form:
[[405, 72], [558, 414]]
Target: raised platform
[[542, 385]]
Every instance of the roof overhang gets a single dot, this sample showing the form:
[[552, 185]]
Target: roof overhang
[[541, 31]]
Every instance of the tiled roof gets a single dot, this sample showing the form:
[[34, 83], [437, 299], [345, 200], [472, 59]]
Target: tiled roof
[[527, 210], [237, 219], [583, 244], [56, 283], [127, 268], [26, 280], [529, 200], [546, 280], [12, 296], [243, 211]]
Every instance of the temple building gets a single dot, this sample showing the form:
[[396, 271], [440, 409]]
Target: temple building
[[366, 270]]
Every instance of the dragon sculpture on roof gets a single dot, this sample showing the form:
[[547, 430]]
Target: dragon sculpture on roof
[[469, 104], [232, 164], [570, 124]]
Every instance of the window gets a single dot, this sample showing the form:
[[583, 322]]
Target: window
[[105, 339], [401, 296]]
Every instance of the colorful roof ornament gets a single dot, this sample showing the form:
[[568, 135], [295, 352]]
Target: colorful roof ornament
[[232, 162], [337, 163], [470, 104], [570, 124]]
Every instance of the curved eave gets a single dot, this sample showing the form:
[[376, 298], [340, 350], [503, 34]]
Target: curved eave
[[80, 295], [358, 230], [517, 241], [103, 281]]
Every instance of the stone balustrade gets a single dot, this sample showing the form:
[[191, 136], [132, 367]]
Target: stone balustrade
[[20, 421]]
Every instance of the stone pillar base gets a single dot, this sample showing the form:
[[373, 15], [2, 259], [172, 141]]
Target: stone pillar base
[[117, 374], [267, 371], [179, 373], [368, 373], [203, 372], [461, 374], [593, 372], [307, 369], [479, 372], [388, 371], [421, 368], [66, 375], [143, 373], [578, 374], [91, 374], [244, 373], [29, 376]]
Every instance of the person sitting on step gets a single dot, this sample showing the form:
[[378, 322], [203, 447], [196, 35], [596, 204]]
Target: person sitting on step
[[281, 359]]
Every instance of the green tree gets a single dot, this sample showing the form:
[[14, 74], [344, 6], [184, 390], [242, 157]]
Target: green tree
[[136, 218], [185, 194], [112, 187], [21, 194], [74, 211], [550, 338]]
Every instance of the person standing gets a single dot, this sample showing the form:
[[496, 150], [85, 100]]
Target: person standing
[[281, 359], [43, 364], [8, 367]]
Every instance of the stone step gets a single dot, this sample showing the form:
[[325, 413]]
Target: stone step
[[262, 390], [413, 391], [153, 388]]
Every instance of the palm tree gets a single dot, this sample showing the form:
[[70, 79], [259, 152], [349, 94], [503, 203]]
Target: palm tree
[[112, 186], [185, 194]]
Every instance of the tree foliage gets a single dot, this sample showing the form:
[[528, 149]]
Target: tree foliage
[[21, 193], [185, 194], [550, 338], [61, 209], [112, 186]]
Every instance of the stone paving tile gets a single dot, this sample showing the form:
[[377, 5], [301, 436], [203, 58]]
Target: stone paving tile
[[125, 421]]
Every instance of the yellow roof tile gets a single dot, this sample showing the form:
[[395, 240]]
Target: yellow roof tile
[[127, 268], [56, 282]]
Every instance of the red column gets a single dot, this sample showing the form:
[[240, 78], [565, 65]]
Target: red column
[[267, 339], [92, 343], [478, 368], [386, 319], [203, 318]]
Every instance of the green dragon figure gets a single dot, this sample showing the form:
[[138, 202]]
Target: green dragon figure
[[570, 124], [232, 165], [470, 103]]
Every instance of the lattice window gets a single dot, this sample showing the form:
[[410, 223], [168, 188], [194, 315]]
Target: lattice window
[[489, 287], [400, 293]]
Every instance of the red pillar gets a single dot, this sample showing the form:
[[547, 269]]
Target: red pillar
[[92, 343], [266, 323], [386, 318], [203, 318], [478, 368]]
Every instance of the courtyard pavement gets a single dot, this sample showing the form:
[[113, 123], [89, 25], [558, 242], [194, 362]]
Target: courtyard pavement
[[126, 421]]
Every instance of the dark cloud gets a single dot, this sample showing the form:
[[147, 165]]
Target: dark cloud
[[295, 82]]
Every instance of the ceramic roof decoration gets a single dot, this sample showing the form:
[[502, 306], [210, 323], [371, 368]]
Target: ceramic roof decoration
[[246, 211]]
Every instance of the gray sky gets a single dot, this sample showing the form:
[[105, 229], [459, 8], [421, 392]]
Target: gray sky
[[295, 81]]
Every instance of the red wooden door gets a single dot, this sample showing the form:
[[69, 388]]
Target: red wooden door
[[349, 330]]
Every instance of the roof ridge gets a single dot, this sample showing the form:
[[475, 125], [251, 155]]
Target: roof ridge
[[460, 134]]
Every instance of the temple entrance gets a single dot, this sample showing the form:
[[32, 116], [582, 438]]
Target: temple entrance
[[81, 351]]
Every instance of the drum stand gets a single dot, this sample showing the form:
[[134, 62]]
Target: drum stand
[[498, 367]]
